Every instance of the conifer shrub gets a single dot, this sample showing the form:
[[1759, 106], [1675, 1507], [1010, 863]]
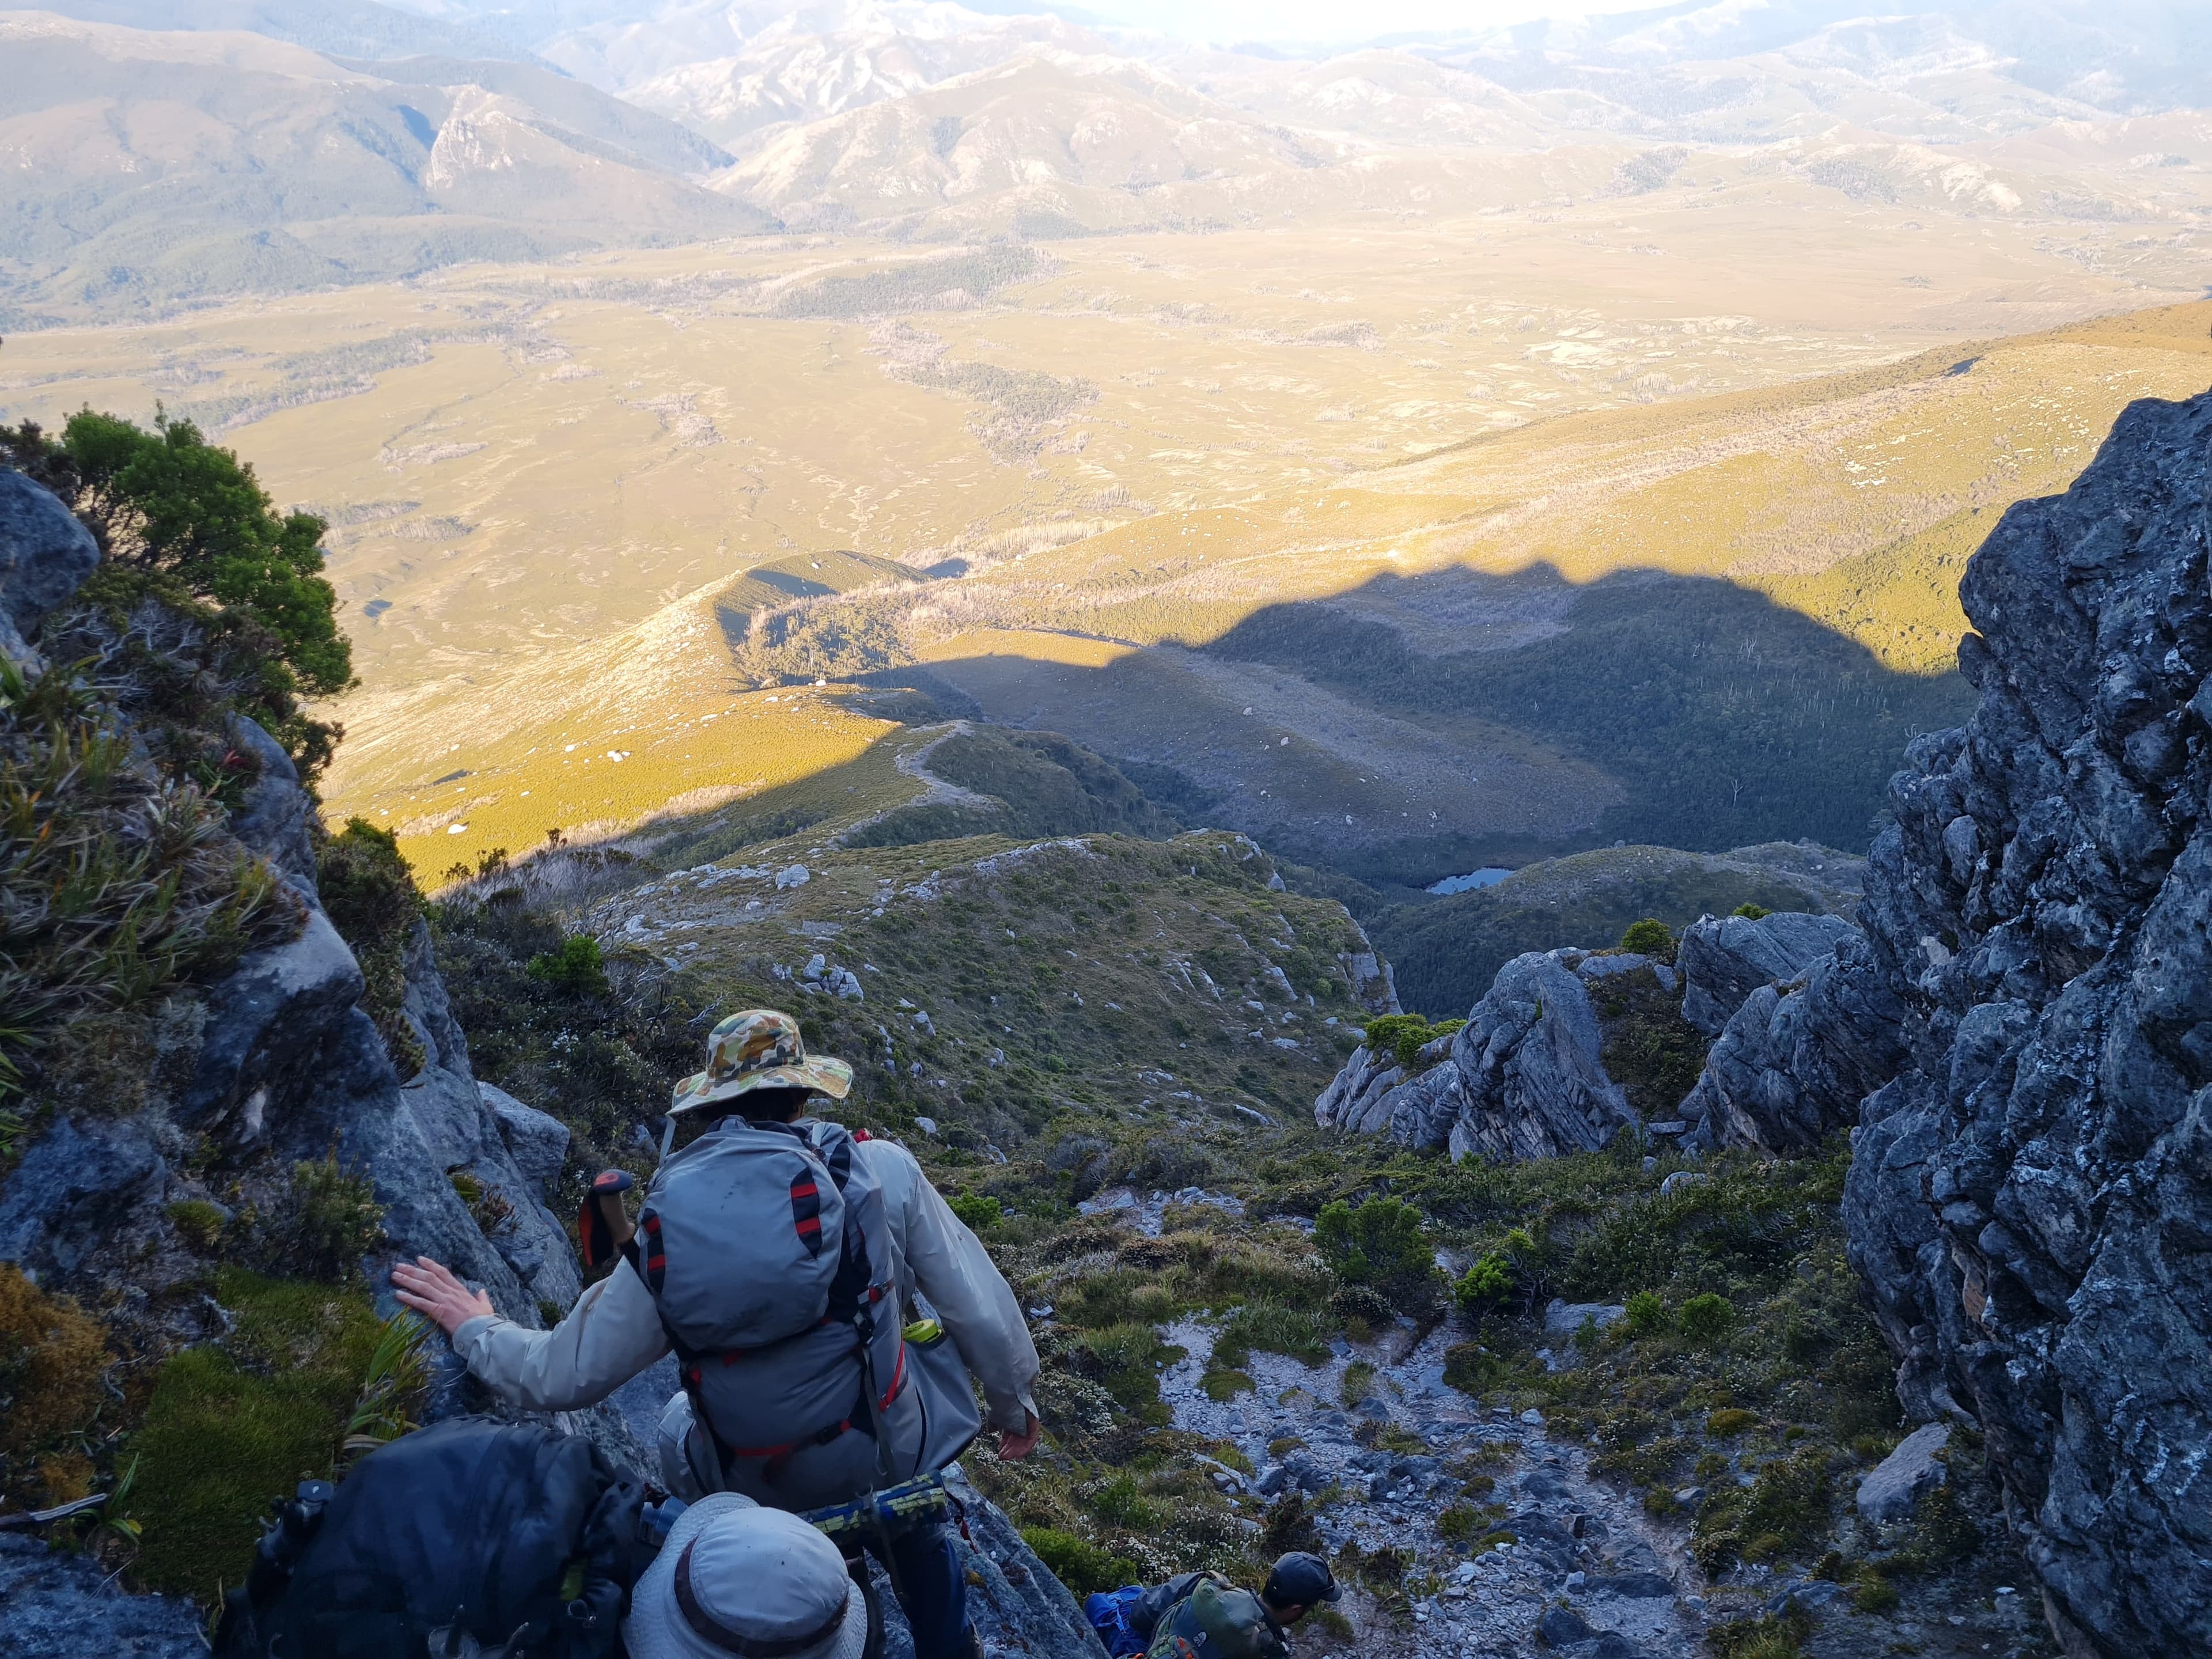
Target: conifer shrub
[[979, 1211], [1085, 1568], [1705, 1319], [1649, 938], [325, 1221], [1379, 1243], [575, 966]]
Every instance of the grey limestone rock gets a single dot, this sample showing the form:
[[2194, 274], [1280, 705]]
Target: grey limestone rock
[[1016, 1604], [538, 1142], [1894, 1486], [1564, 1320], [45, 553], [2030, 1198], [272, 817], [1794, 1061], [58, 1605], [1724, 959], [71, 1196], [1348, 1103], [1530, 1082], [1522, 1078], [266, 1026]]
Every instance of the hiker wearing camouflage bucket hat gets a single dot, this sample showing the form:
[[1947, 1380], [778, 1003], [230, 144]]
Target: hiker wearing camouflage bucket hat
[[759, 1048], [763, 1247]]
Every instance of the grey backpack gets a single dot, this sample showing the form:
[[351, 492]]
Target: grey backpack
[[766, 1250]]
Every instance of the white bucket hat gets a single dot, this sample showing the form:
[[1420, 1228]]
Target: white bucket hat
[[735, 1578]]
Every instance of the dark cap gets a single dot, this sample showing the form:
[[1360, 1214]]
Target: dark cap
[[1299, 1580]]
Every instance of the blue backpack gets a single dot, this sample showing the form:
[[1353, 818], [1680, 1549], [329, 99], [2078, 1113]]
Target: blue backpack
[[1109, 1616]]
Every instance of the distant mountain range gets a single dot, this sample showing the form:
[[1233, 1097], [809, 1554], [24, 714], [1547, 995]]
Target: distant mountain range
[[153, 167], [166, 152]]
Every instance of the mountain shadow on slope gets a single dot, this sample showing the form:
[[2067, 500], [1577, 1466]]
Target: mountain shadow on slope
[[1728, 720], [1021, 784]]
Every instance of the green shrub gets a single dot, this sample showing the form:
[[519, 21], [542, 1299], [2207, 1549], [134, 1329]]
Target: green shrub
[[979, 1211], [1705, 1319], [1085, 1568], [1751, 912], [576, 967], [370, 896], [167, 500], [1487, 1285], [1649, 938], [199, 1222], [1647, 1314], [1379, 1243], [330, 1219], [1473, 1369], [1402, 1036], [1730, 1421], [1457, 1523]]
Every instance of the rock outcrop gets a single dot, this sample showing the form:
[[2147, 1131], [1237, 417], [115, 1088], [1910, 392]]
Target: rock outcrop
[[1522, 1078], [2023, 1037], [1723, 960], [1794, 1061], [2031, 1198]]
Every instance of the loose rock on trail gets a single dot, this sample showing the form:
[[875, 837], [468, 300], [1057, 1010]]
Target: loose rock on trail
[[1573, 1538]]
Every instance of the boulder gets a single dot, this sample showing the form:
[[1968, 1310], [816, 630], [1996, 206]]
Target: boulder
[[1894, 1486], [264, 1031], [1530, 1084], [1725, 960], [1521, 1079], [1564, 1320], [1347, 1103], [45, 555]]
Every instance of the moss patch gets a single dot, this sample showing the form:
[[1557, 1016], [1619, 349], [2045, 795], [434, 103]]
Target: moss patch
[[233, 1426]]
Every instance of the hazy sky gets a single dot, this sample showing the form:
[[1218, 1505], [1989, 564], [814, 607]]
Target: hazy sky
[[1336, 20]]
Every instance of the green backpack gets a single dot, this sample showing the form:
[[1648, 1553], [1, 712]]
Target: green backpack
[[1216, 1620]]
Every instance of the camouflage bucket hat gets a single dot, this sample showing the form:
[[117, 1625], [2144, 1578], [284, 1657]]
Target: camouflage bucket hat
[[759, 1048]]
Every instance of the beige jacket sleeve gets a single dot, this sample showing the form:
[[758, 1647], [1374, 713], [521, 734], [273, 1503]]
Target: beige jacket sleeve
[[611, 1334], [946, 1262]]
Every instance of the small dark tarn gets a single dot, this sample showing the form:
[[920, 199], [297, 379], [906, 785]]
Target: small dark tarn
[[375, 608], [449, 778], [1964, 366]]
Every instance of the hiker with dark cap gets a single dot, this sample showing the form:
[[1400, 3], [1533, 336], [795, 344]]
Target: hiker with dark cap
[[1201, 1615], [786, 1263]]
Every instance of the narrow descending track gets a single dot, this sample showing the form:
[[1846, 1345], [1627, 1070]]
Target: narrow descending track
[[1574, 1539]]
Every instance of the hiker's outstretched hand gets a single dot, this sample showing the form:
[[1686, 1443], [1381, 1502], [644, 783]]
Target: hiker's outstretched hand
[[432, 1291], [1013, 1446]]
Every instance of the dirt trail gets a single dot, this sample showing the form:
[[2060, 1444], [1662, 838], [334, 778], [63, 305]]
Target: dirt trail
[[1575, 1539]]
